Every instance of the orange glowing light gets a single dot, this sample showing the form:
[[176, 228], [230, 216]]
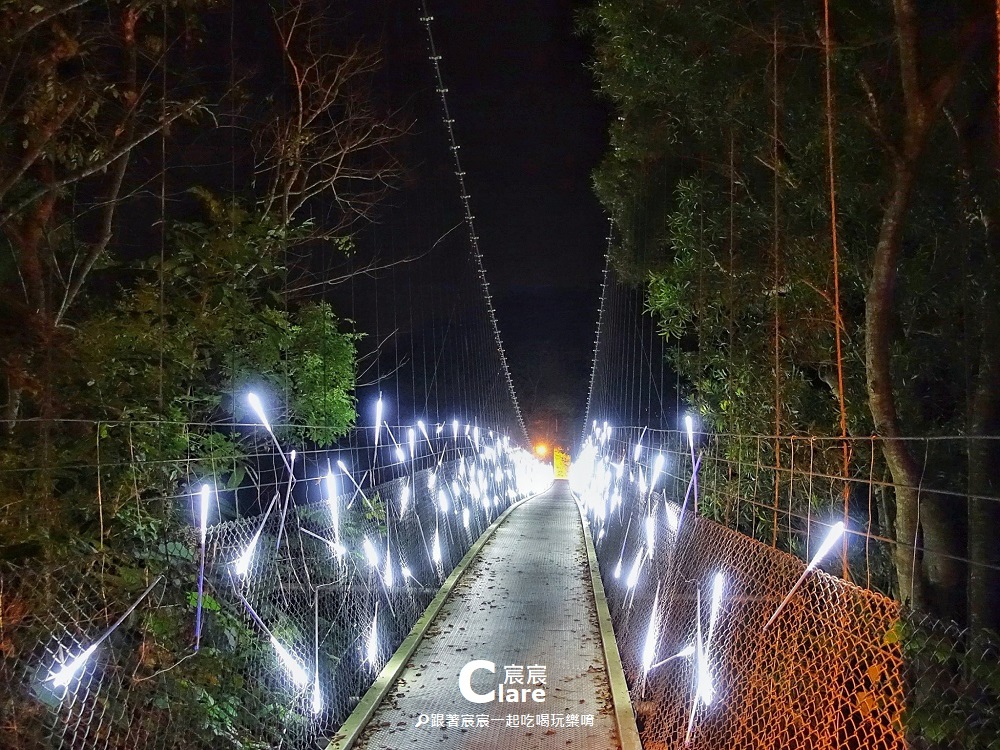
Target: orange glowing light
[[542, 450]]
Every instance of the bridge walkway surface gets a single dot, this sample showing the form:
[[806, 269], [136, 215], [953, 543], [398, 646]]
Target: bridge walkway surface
[[527, 599]]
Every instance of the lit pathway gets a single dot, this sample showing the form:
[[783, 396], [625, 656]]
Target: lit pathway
[[526, 600]]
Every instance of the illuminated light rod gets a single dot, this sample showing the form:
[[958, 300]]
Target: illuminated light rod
[[692, 484], [436, 549], [657, 470], [378, 428], [258, 409], [298, 674], [206, 497], [652, 635], [296, 670], [61, 677], [718, 586], [423, 430], [633, 576], [339, 549], [371, 650], [331, 497], [404, 498], [387, 577], [703, 688], [400, 456], [638, 446], [682, 654], [242, 564], [836, 531], [317, 696], [370, 554], [357, 487]]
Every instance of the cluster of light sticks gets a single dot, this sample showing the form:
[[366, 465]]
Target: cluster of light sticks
[[597, 482], [484, 479]]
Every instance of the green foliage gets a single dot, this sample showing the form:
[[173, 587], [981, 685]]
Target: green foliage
[[167, 364], [718, 185], [718, 180], [223, 329], [956, 696]]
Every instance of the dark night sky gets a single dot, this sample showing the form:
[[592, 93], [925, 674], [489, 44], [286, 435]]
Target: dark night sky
[[531, 130]]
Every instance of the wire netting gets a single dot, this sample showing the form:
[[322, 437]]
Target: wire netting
[[841, 665], [290, 641]]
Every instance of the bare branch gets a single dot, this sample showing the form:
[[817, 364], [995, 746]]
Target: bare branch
[[95, 167], [330, 141]]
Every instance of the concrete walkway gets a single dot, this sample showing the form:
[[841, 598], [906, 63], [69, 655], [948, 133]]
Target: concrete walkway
[[526, 605]]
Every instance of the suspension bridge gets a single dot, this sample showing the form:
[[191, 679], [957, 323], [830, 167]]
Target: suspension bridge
[[426, 581]]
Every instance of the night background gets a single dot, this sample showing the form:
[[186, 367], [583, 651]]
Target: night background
[[297, 297], [531, 131]]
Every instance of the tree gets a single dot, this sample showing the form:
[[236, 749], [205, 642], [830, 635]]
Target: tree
[[78, 96], [717, 180], [325, 142]]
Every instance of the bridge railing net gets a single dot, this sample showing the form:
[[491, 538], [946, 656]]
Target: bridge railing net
[[841, 665], [338, 614]]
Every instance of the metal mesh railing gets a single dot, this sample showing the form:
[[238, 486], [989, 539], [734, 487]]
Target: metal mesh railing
[[287, 646], [840, 665]]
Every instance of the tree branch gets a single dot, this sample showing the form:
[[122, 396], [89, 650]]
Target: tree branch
[[91, 169]]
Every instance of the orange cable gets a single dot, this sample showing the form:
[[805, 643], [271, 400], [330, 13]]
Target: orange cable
[[838, 321]]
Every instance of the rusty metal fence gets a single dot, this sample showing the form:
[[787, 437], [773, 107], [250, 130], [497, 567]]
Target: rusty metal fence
[[285, 644], [840, 666]]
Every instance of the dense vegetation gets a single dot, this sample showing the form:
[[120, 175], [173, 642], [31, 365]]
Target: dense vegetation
[[745, 135], [143, 288]]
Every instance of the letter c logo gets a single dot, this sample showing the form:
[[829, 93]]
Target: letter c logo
[[465, 681]]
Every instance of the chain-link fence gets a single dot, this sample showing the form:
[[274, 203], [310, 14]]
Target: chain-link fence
[[306, 591], [692, 602]]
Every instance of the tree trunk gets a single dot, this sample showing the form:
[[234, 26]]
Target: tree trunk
[[984, 469], [882, 401], [926, 537]]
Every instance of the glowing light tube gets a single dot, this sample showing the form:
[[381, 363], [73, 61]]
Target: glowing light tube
[[371, 650], [436, 548], [387, 574], [682, 654], [633, 576], [423, 431], [62, 676], [317, 696], [295, 670], [331, 497], [718, 584], [649, 647], [370, 554], [203, 529], [832, 537], [339, 549], [242, 564], [657, 470], [258, 409], [400, 456]]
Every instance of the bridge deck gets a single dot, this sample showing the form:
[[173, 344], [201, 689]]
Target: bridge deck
[[525, 601]]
